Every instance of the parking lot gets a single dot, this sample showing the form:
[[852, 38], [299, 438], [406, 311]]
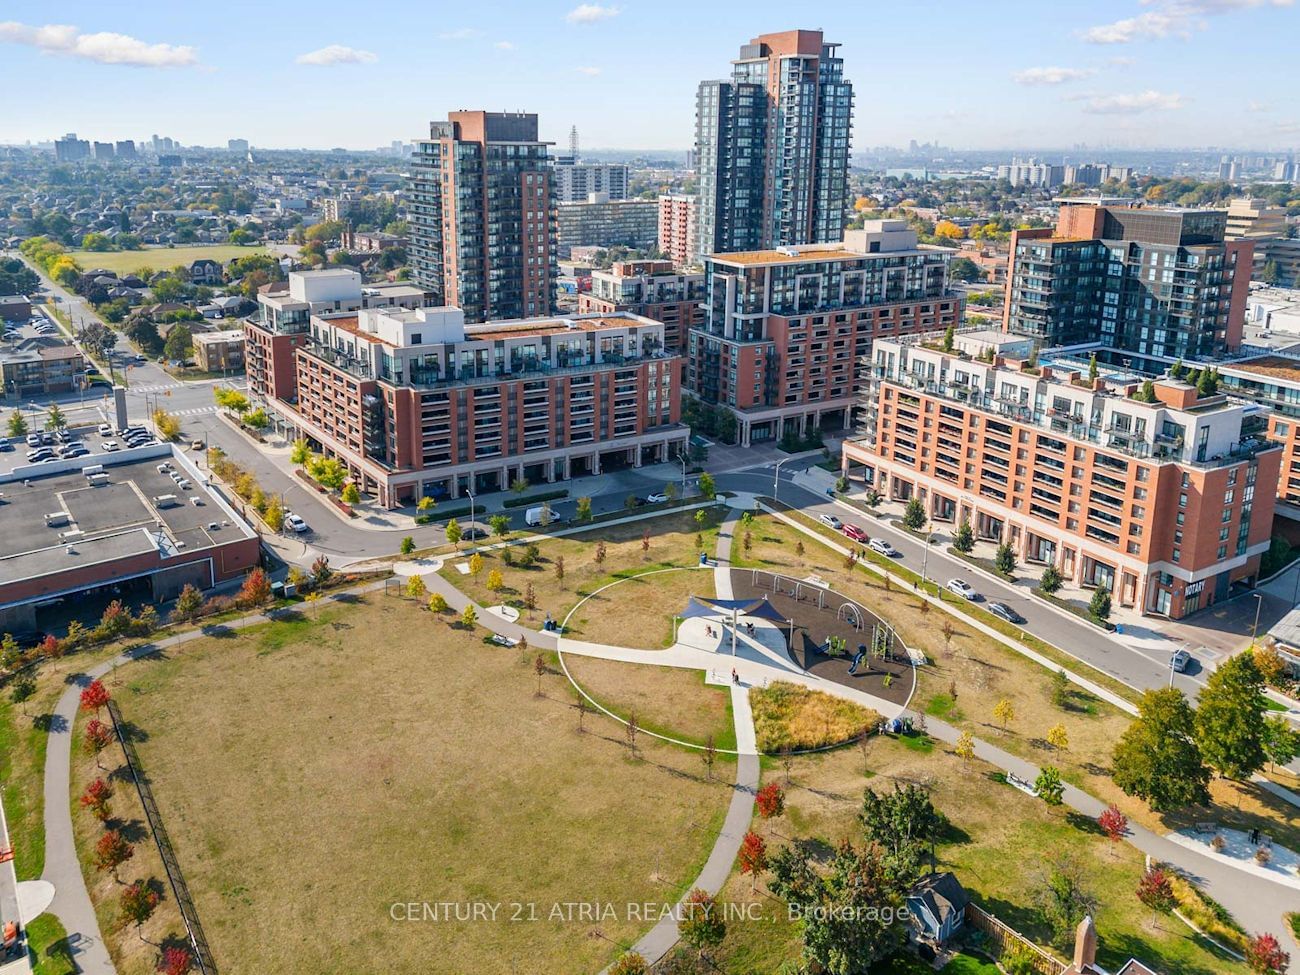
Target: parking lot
[[70, 443]]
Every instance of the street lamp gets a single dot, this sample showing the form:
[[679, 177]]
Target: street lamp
[[1254, 630], [776, 477], [681, 455], [925, 558], [471, 506]]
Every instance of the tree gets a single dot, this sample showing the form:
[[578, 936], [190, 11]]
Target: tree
[[495, 581], [963, 539], [600, 553], [94, 697], [168, 425], [1265, 956], [645, 541], [96, 798], [329, 472], [1156, 891], [630, 964], [17, 424], [752, 857], [1281, 741], [415, 587], [1100, 604], [1270, 273], [321, 571], [437, 603], [300, 453], [914, 516], [965, 747], [179, 343], [904, 824], [97, 737], [530, 597], [138, 903], [1230, 728], [231, 399], [843, 904], [1004, 712], [351, 494], [1005, 559], [1092, 368], [709, 756], [519, 485], [964, 269], [407, 545], [176, 961], [1113, 823], [274, 514], [454, 533], [559, 570], [583, 510], [256, 590], [54, 418], [630, 730], [539, 668], [949, 336], [701, 926], [468, 617], [770, 800], [1048, 785], [1060, 689], [1050, 581], [1058, 737], [475, 564], [707, 487], [1157, 758], [500, 525], [112, 851], [188, 603], [1062, 899]]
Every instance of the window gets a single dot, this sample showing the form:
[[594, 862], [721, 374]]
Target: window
[[1177, 556], [1223, 552], [1182, 500]]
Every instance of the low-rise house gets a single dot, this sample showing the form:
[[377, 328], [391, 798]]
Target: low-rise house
[[206, 271], [937, 904]]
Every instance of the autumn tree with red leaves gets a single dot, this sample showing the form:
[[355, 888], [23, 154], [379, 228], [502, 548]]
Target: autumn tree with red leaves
[[94, 697], [256, 590], [96, 797], [112, 851], [1113, 823], [138, 903], [98, 735], [1265, 956], [753, 857], [770, 800], [176, 961]]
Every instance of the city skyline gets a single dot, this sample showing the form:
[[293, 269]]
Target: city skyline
[[1120, 73]]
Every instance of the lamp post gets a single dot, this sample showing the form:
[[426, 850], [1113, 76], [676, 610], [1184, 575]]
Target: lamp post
[[776, 477], [471, 506], [925, 557], [1259, 604], [681, 455]]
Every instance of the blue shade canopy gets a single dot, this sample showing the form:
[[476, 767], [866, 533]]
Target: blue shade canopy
[[713, 608]]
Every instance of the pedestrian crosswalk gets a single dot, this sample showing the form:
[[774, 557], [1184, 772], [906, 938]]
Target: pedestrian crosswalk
[[197, 411], [155, 389]]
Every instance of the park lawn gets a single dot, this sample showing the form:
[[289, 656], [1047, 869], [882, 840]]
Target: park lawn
[[670, 701], [133, 953], [309, 784], [640, 612], [161, 258], [999, 840]]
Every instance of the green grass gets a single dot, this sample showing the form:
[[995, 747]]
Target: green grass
[[967, 964], [160, 258], [1271, 705], [49, 946], [1294, 921]]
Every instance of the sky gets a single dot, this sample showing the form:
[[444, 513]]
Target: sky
[[1120, 73]]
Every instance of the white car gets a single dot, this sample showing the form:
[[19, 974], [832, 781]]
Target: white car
[[656, 498], [963, 589], [882, 547], [105, 430], [110, 445], [830, 521], [294, 523]]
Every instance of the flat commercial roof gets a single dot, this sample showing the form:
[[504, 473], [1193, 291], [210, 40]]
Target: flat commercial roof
[[1274, 366], [119, 519]]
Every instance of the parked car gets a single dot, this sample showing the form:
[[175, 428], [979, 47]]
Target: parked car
[[473, 534], [855, 533], [6, 445], [962, 588], [76, 452], [294, 523], [38, 455], [1180, 660], [105, 429], [33, 439], [1006, 612], [830, 521], [196, 445], [655, 498], [882, 547], [110, 445]]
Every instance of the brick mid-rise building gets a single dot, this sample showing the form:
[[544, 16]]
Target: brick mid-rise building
[[678, 219], [653, 289], [1156, 501], [786, 330], [416, 402]]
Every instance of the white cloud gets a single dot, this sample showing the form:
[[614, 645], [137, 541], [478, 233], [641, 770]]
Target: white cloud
[[337, 54], [104, 47], [1051, 76], [590, 13], [1171, 18], [1132, 103], [504, 46], [590, 72], [462, 34], [1256, 106]]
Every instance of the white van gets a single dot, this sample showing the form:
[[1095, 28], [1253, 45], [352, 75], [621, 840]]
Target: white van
[[541, 515]]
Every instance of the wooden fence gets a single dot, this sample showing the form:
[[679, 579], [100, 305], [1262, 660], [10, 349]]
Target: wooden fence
[[1003, 939]]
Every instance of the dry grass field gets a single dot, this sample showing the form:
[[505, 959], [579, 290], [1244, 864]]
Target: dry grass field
[[791, 716], [999, 841], [637, 613], [314, 773], [161, 258]]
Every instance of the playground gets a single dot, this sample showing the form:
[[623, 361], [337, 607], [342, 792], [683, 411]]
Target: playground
[[833, 637]]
